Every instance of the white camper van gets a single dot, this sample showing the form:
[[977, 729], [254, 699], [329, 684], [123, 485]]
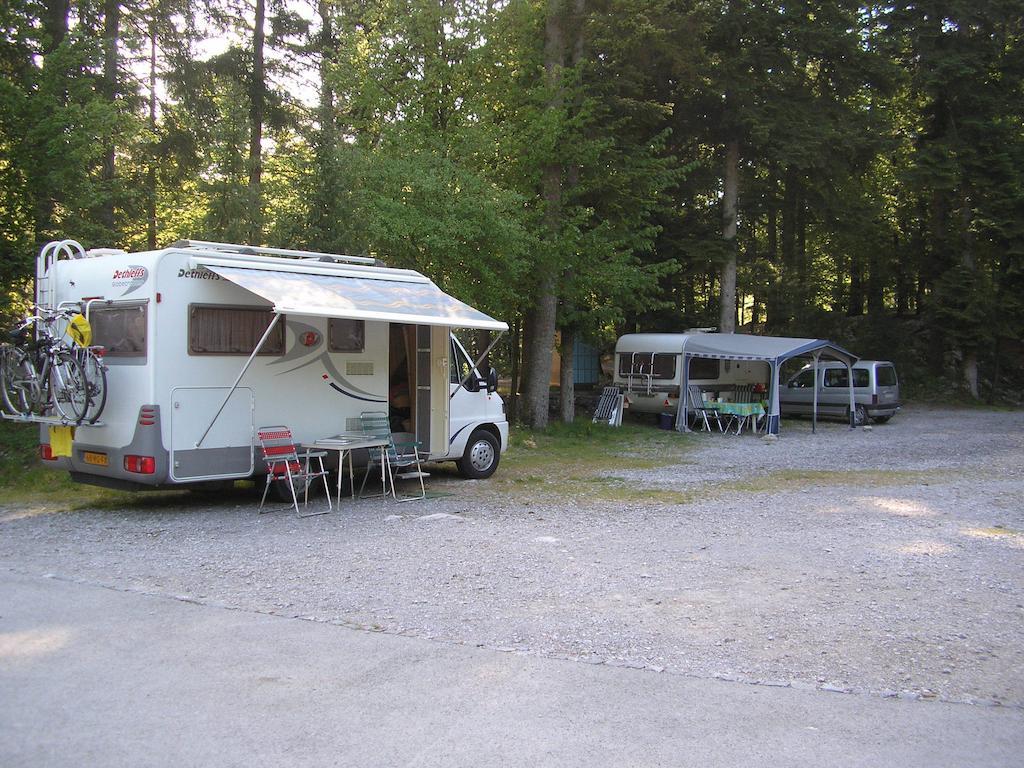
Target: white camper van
[[206, 342]]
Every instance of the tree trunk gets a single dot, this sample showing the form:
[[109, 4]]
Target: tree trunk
[[151, 221], [876, 283], [514, 366], [483, 338], [902, 279], [772, 308], [55, 24], [257, 100], [970, 351], [55, 29], [727, 280], [566, 376], [855, 307], [111, 34], [788, 292], [542, 316]]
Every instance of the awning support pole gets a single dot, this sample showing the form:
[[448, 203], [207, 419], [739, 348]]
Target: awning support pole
[[814, 416], [476, 365], [241, 373], [853, 406]]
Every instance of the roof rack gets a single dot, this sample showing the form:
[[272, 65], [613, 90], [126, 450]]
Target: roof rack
[[253, 250]]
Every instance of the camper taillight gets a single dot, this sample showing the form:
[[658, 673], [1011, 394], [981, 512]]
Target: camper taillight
[[140, 465], [46, 452]]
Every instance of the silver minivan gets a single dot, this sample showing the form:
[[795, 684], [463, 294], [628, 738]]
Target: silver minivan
[[876, 391]]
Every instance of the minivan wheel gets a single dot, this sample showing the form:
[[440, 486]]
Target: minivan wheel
[[860, 415], [481, 456]]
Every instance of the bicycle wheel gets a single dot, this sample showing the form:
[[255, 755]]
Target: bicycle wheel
[[68, 389], [18, 381], [96, 385]]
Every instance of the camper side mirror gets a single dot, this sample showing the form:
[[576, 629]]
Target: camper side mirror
[[492, 380]]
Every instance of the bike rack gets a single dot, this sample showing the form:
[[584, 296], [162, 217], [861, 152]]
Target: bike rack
[[56, 421]]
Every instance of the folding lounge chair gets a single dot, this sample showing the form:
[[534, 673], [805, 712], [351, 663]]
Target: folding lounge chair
[[285, 464], [700, 411]]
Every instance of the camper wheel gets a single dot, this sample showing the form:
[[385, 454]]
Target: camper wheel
[[481, 456]]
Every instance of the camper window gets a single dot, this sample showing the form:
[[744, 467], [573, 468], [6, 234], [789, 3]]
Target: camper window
[[120, 329], [641, 364], [705, 368], [836, 377], [346, 335], [217, 330]]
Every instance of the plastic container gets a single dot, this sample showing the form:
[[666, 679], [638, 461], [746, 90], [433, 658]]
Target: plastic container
[[665, 420]]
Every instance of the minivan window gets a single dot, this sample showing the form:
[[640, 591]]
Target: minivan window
[[885, 375], [836, 377], [803, 380]]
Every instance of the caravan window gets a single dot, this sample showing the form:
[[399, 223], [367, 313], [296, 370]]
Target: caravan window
[[346, 335], [120, 329], [641, 364], [705, 368], [217, 330]]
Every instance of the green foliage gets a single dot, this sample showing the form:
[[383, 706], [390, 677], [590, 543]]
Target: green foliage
[[881, 174]]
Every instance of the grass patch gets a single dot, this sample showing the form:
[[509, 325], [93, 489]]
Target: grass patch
[[586, 459], [788, 479], [25, 481]]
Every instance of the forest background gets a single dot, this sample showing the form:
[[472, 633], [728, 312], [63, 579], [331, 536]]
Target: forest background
[[827, 169]]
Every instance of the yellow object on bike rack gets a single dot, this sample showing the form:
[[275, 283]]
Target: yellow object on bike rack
[[60, 440], [80, 330]]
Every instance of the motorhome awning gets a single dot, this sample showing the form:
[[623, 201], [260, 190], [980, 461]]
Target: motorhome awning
[[355, 295]]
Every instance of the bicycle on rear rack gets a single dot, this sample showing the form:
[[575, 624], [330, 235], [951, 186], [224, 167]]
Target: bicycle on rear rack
[[45, 377]]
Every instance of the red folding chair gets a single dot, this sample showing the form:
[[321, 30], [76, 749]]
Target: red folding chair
[[285, 464]]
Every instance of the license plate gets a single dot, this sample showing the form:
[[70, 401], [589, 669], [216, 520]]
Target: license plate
[[99, 459]]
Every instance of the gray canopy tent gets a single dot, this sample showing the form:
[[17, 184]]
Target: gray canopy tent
[[773, 350]]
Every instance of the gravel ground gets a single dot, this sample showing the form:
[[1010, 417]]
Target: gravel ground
[[885, 561]]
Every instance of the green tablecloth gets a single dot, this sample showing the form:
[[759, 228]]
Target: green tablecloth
[[737, 409]]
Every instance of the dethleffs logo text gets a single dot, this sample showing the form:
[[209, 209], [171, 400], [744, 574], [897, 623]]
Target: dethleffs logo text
[[131, 278], [198, 274]]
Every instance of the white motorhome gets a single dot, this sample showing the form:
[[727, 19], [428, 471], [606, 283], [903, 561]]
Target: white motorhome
[[206, 342]]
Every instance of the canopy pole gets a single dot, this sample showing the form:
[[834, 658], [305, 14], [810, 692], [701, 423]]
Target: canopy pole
[[853, 406], [476, 365], [773, 415], [683, 406], [259, 346], [814, 414]]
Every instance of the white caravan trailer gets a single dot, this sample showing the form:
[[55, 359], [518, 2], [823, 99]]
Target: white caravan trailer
[[653, 369], [206, 342]]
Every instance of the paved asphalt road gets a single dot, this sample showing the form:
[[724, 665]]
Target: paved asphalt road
[[91, 676]]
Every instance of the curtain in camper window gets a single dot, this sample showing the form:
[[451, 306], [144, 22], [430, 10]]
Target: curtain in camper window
[[216, 330]]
